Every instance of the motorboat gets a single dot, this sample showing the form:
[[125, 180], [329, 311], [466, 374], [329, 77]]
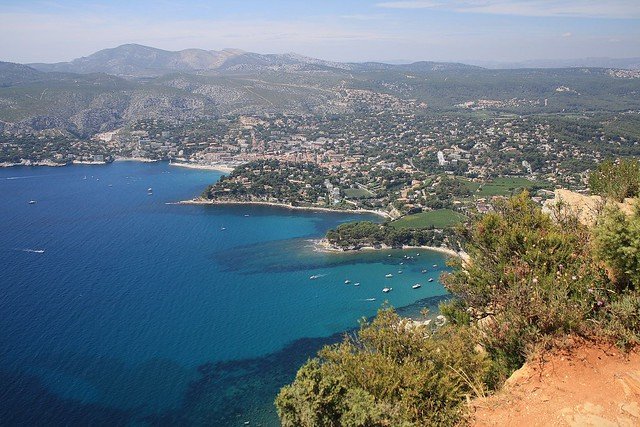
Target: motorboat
[[416, 286]]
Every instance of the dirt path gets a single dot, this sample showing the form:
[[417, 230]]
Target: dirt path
[[591, 385]]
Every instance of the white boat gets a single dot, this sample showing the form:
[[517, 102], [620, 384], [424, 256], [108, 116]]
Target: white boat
[[435, 265], [399, 271], [423, 271], [388, 276], [418, 254], [356, 284], [346, 282], [387, 290], [223, 228], [431, 279], [402, 263], [32, 202], [246, 214], [33, 251], [314, 277], [370, 299], [149, 190], [416, 286]]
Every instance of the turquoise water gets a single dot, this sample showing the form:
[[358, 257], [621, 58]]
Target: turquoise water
[[139, 312]]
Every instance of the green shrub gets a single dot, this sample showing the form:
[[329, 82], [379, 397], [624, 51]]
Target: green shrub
[[617, 242], [531, 274], [617, 180], [389, 374]]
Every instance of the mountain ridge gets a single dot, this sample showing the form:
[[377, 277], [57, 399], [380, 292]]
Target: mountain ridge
[[135, 60]]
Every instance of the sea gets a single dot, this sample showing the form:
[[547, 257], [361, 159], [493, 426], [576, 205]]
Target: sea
[[118, 307]]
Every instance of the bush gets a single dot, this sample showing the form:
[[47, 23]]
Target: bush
[[617, 238], [531, 274], [617, 180], [389, 374]]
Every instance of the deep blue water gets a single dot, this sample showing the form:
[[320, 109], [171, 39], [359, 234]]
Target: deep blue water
[[143, 313]]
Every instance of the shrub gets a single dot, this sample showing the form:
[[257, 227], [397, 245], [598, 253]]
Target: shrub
[[531, 274], [616, 180], [389, 374]]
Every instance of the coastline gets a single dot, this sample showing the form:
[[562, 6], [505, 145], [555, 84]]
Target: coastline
[[219, 168], [200, 201], [46, 163], [322, 245], [135, 159]]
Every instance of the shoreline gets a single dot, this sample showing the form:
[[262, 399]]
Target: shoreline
[[218, 168], [279, 205], [135, 159], [322, 245]]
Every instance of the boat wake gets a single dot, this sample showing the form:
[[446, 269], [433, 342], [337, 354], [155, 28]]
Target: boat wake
[[34, 251]]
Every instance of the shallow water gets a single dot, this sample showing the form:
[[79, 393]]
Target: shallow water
[[140, 312]]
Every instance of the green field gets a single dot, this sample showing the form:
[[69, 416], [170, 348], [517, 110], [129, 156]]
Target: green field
[[499, 186], [358, 193], [440, 218]]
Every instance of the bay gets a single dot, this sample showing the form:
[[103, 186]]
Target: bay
[[140, 312]]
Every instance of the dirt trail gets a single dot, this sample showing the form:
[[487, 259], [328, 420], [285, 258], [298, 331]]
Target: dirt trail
[[590, 385]]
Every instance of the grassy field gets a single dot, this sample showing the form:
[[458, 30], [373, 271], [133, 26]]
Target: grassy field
[[440, 218], [357, 193], [499, 186]]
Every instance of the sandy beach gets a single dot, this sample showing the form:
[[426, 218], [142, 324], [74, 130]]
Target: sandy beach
[[322, 245], [135, 159], [220, 167], [280, 205]]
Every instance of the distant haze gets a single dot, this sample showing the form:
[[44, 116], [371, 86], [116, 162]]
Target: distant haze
[[507, 32]]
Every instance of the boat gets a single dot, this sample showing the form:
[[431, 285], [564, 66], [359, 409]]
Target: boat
[[423, 271], [32, 202], [33, 251], [149, 190], [85, 177], [431, 279], [388, 276], [402, 263], [346, 282], [314, 277], [387, 290], [416, 286], [399, 271], [435, 265], [418, 254], [246, 214], [223, 228], [370, 299], [356, 284]]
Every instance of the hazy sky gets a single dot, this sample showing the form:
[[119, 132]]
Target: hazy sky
[[345, 30]]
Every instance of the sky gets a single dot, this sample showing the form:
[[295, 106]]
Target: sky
[[342, 30]]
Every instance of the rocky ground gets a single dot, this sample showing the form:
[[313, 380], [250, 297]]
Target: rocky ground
[[588, 385]]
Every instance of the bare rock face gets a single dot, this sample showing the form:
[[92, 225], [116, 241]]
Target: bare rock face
[[585, 208]]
